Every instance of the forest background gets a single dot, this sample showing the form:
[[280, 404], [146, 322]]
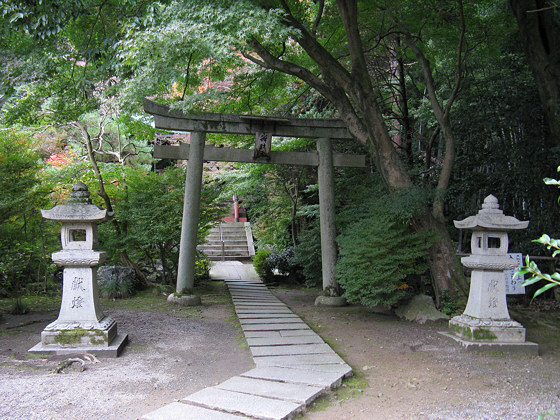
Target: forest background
[[451, 101]]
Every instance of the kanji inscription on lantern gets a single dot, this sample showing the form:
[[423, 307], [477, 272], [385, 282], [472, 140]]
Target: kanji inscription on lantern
[[78, 284], [493, 285], [514, 285], [77, 302]]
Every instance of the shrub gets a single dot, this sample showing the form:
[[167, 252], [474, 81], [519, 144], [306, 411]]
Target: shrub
[[19, 307], [202, 267], [284, 262], [379, 252], [115, 289], [262, 265]]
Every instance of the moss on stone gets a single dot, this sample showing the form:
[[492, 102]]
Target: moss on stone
[[74, 336], [484, 334]]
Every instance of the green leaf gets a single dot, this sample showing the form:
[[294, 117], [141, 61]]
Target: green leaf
[[530, 281], [521, 271], [544, 289], [550, 181]]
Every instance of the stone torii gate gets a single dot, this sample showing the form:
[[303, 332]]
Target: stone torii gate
[[263, 128]]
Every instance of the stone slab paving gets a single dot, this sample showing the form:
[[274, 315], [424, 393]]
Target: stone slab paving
[[250, 405], [294, 364], [276, 327], [277, 310], [302, 394], [266, 315], [181, 411], [300, 360], [254, 321], [283, 341], [290, 350], [302, 376]]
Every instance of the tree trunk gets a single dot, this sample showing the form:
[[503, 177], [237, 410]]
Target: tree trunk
[[447, 272], [539, 27], [123, 255], [406, 124]]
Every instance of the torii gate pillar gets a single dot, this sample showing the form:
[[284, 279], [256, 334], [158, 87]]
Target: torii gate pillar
[[329, 253], [327, 216], [191, 213]]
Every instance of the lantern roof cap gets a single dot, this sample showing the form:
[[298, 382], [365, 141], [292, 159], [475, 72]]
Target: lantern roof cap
[[78, 208], [490, 217]]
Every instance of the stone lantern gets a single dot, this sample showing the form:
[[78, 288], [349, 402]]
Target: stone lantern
[[81, 325], [486, 321]]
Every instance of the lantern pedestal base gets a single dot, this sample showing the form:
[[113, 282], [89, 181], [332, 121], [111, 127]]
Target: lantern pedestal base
[[527, 347], [505, 335], [61, 337], [112, 350], [487, 330]]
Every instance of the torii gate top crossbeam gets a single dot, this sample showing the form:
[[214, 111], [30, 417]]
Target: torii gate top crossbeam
[[167, 119]]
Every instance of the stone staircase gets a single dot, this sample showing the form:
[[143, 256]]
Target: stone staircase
[[229, 241]]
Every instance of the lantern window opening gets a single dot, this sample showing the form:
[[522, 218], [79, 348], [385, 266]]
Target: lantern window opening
[[494, 242], [77, 235]]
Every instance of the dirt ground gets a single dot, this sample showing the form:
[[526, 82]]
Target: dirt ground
[[402, 370]]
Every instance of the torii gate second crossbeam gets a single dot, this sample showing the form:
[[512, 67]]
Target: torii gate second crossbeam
[[265, 127]]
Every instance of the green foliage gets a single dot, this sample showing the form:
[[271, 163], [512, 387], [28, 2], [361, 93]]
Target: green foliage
[[379, 254], [285, 264], [448, 305], [550, 413], [19, 307], [23, 242], [115, 289], [149, 206], [531, 268], [40, 19], [307, 255], [262, 265], [202, 267], [501, 146], [195, 47]]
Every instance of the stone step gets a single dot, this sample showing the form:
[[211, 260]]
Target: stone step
[[228, 229], [211, 253], [226, 245], [216, 238], [229, 258]]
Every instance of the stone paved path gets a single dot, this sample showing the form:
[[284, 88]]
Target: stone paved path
[[293, 364]]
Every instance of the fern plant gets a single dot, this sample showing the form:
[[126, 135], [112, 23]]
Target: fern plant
[[378, 251]]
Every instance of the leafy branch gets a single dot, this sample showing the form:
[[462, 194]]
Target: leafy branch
[[531, 267]]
